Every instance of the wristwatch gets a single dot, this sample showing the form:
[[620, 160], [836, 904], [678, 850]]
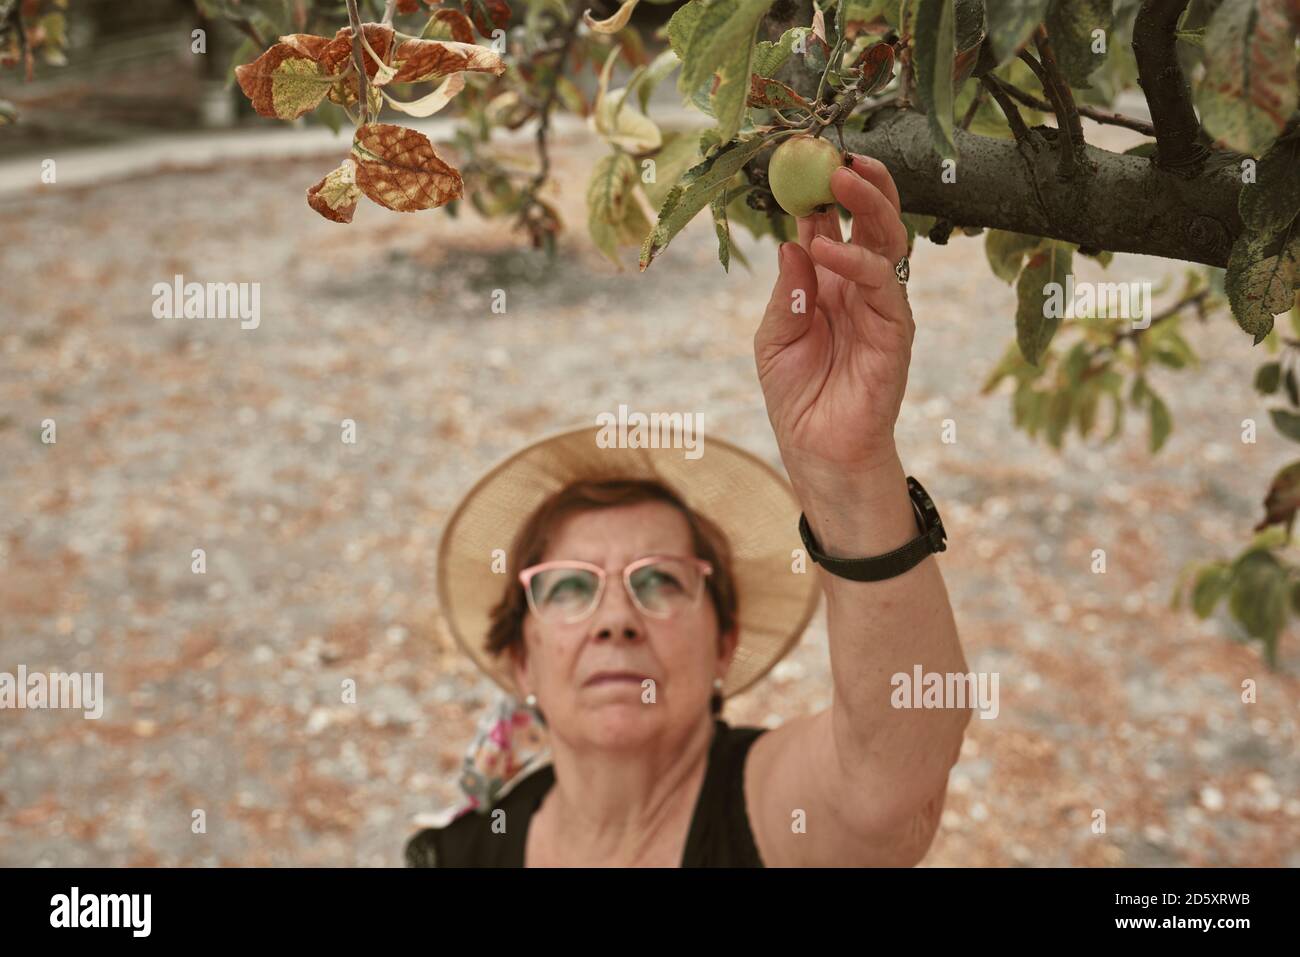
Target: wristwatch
[[891, 564]]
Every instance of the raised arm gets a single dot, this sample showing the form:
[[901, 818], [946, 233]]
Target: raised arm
[[870, 778]]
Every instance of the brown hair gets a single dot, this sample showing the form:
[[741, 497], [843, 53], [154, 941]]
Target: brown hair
[[505, 633]]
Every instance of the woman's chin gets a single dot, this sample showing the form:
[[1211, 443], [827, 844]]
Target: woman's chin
[[617, 723]]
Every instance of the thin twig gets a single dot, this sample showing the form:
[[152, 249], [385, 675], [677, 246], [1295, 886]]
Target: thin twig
[[245, 26], [388, 13], [1014, 119], [544, 126], [1091, 112], [975, 104], [359, 61], [15, 14], [1195, 298], [1070, 120]]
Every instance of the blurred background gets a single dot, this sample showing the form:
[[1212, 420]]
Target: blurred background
[[222, 689]]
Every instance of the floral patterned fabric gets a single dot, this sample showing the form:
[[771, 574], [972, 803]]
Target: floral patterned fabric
[[509, 744]]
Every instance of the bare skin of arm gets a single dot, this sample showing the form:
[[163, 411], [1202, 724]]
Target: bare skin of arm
[[863, 782]]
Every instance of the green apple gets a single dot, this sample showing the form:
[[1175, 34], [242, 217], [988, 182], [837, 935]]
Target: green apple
[[800, 173]]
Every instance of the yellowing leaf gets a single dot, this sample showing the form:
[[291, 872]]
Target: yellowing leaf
[[420, 60], [432, 103], [1249, 89], [624, 128], [284, 82], [398, 168], [614, 218], [615, 23], [448, 25], [335, 197], [772, 94], [337, 55], [1261, 286]]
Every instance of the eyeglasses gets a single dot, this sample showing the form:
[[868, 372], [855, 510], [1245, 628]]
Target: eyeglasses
[[661, 586]]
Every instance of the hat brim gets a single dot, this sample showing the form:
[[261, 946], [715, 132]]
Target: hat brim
[[746, 498]]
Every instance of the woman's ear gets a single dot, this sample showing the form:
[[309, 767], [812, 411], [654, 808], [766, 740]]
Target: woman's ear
[[727, 644]]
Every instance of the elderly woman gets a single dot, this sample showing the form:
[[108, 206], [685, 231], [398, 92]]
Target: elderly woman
[[642, 586]]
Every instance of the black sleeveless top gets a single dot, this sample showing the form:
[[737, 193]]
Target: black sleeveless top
[[719, 835]]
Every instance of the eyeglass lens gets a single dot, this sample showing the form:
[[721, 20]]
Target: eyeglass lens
[[660, 589]]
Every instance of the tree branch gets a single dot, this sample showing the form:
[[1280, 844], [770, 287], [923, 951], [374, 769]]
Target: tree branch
[[1168, 97], [1127, 205]]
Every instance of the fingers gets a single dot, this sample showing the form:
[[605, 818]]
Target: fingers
[[793, 303], [826, 223], [872, 273], [876, 222], [877, 174]]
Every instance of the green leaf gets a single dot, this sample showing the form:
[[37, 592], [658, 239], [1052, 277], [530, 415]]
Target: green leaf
[[1070, 25], [1057, 420], [1006, 252], [722, 41], [246, 52], [679, 153], [1212, 583], [917, 224], [613, 216], [1040, 299], [1260, 597], [695, 190], [1292, 391], [1269, 204], [770, 57], [681, 25], [1288, 423], [866, 11], [1117, 416], [935, 47], [655, 73], [1086, 411], [1161, 422], [1268, 377], [1010, 24], [718, 207], [1249, 88]]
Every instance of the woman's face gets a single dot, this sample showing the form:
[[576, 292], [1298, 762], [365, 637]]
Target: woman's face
[[681, 655]]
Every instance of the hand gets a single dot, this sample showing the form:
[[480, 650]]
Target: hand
[[833, 375]]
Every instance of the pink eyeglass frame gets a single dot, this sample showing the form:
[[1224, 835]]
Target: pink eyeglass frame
[[526, 576]]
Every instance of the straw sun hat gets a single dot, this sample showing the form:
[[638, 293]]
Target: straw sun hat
[[748, 500]]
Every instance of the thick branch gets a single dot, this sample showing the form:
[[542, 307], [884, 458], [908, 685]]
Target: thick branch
[[1168, 97], [1127, 205]]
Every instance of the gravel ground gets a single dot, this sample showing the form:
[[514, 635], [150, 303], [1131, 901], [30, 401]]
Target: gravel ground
[[177, 434]]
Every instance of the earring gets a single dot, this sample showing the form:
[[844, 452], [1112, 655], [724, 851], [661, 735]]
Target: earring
[[531, 701], [717, 685]]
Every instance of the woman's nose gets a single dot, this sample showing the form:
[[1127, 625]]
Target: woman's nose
[[615, 616]]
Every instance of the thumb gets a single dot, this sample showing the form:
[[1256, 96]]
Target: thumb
[[793, 302]]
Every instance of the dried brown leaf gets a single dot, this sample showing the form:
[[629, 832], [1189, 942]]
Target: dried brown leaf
[[398, 168]]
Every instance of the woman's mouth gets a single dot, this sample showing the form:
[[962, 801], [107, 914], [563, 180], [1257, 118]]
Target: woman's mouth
[[612, 677]]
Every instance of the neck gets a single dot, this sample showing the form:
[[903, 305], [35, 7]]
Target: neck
[[613, 805]]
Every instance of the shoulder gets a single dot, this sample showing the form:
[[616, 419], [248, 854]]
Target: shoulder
[[482, 838]]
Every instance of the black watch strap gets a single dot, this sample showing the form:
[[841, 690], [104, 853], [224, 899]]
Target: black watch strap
[[891, 564]]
